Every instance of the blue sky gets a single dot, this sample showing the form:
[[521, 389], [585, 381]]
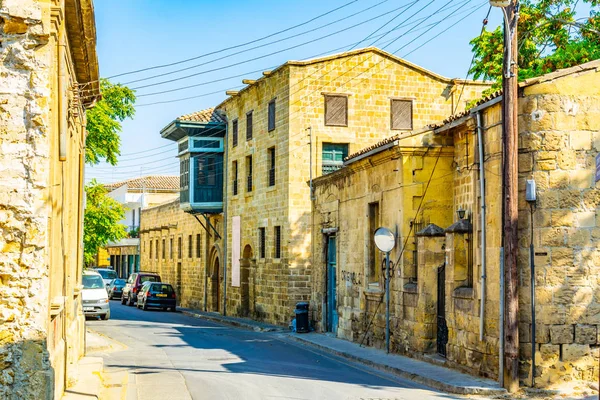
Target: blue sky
[[136, 34]]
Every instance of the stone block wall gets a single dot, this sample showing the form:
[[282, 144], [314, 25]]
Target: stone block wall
[[188, 274], [559, 139]]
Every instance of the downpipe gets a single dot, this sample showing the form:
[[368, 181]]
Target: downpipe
[[483, 226]]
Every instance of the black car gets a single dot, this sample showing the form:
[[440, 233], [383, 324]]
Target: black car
[[115, 288], [134, 285], [157, 294]]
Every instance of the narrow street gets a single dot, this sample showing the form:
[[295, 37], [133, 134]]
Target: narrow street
[[171, 356]]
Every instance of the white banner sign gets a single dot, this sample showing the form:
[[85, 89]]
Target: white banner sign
[[235, 251]]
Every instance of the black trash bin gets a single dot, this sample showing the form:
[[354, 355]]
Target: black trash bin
[[301, 312]]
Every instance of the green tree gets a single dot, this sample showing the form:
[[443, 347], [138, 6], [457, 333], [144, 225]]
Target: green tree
[[550, 37], [104, 122], [100, 220]]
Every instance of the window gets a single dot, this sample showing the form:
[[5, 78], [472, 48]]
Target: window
[[156, 249], [179, 251], [261, 244], [234, 134], [401, 114], [198, 245], [184, 180], [374, 254], [249, 173], [336, 110], [163, 249], [271, 177], [333, 156], [150, 252], [207, 171], [271, 119], [171, 252], [133, 218], [234, 170], [249, 126], [190, 246], [277, 242]]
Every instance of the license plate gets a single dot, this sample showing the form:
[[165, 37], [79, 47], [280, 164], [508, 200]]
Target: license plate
[[88, 308], [161, 295]]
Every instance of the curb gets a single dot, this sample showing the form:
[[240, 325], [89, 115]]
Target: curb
[[431, 382], [233, 322]]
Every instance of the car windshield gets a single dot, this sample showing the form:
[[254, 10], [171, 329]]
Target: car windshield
[[167, 289], [92, 282], [119, 282], [107, 274], [148, 278]]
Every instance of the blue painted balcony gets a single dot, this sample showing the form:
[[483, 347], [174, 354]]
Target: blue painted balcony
[[200, 141]]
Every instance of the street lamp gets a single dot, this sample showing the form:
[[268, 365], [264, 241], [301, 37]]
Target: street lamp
[[461, 213], [385, 241]]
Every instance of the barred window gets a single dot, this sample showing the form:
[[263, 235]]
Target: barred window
[[336, 110], [271, 176], [249, 126], [198, 253], [261, 240], [190, 246], [171, 248], [271, 116], [277, 242], [156, 249], [150, 252], [163, 249], [401, 114], [235, 177], [333, 156], [234, 133], [179, 250], [249, 173]]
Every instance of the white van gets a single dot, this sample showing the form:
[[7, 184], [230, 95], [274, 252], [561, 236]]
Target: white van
[[107, 275], [94, 296]]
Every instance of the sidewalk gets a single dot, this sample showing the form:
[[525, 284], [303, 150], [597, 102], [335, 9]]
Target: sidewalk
[[246, 323], [435, 376]]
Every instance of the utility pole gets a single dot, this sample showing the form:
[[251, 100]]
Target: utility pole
[[510, 175]]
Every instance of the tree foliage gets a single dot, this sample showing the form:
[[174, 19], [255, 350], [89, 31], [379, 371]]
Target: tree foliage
[[100, 220], [104, 122], [550, 37]]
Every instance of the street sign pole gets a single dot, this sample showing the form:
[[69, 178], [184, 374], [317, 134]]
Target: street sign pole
[[387, 302]]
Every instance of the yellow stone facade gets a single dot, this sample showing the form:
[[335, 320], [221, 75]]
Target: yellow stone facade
[[175, 244], [370, 78], [48, 49], [559, 128]]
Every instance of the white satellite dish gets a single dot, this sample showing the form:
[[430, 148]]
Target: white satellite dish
[[385, 240]]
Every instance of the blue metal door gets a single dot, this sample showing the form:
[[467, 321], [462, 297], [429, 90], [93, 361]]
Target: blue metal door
[[332, 315]]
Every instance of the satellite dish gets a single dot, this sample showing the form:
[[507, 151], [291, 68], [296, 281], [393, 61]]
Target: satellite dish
[[385, 240]]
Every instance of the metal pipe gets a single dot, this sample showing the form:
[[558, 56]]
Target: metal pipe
[[501, 341], [225, 188], [310, 164], [532, 283], [483, 226], [387, 302]]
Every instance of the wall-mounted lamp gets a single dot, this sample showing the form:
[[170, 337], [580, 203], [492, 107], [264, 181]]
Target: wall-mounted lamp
[[461, 213]]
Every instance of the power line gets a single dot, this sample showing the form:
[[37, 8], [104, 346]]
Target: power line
[[235, 46], [260, 46]]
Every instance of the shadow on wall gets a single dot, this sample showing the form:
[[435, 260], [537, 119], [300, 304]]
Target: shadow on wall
[[25, 369]]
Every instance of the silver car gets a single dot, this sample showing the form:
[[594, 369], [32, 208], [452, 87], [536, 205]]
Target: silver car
[[94, 296]]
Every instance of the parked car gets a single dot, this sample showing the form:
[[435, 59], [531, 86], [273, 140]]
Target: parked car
[[115, 288], [134, 284], [157, 294], [107, 275], [94, 296]]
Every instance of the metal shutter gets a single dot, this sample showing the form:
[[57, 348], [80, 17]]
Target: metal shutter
[[336, 110], [401, 114]]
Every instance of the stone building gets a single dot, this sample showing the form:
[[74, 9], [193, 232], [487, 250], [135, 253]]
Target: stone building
[[296, 122], [427, 189], [136, 194], [49, 75], [185, 252]]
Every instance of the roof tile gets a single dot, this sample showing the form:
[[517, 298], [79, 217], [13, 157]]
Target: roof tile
[[165, 182], [206, 116]]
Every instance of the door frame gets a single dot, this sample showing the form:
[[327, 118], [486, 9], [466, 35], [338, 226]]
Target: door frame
[[331, 314]]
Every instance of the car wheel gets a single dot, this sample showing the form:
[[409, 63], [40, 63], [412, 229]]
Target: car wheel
[[105, 317], [123, 299], [173, 309], [130, 301], [144, 307]]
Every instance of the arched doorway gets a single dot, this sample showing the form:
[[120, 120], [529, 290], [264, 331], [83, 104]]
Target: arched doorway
[[245, 267], [215, 283]]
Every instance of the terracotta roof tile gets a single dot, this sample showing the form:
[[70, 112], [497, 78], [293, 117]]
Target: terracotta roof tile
[[372, 147], [164, 182], [206, 116]]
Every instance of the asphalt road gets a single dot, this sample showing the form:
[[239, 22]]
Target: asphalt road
[[170, 356]]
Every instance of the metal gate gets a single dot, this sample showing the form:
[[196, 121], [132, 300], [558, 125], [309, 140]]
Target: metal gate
[[442, 328]]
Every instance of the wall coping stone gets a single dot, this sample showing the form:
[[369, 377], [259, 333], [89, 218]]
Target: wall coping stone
[[431, 230]]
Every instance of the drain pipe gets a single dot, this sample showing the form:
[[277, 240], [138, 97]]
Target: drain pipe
[[501, 341], [483, 230], [226, 187]]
